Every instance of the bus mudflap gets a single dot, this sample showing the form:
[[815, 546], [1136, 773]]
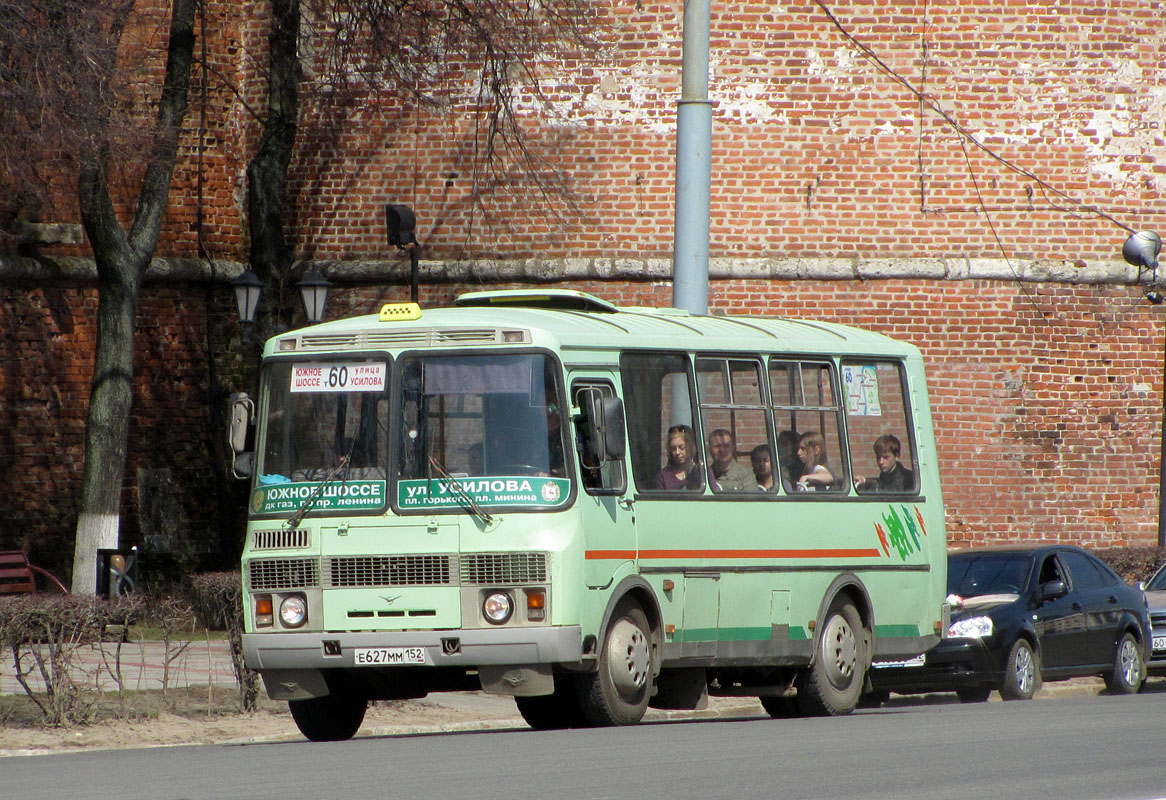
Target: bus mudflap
[[530, 680], [294, 684]]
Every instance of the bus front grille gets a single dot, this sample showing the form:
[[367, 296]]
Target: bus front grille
[[281, 539], [503, 568], [422, 570], [265, 574]]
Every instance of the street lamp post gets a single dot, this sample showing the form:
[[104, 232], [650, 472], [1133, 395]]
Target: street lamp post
[[402, 224], [1141, 250]]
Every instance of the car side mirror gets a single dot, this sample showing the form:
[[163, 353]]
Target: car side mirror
[[1052, 590]]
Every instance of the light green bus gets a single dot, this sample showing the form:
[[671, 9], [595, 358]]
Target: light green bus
[[595, 509]]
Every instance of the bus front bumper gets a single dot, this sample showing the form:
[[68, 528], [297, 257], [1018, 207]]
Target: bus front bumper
[[448, 648]]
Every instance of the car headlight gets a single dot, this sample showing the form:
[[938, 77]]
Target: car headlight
[[497, 607], [293, 611], [970, 628]]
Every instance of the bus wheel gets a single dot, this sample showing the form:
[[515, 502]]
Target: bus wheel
[[832, 685], [618, 692], [331, 718], [553, 711]]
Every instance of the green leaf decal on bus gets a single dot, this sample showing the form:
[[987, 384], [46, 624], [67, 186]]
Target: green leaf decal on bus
[[902, 531]]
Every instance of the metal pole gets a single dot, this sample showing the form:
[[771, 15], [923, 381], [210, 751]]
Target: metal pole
[[694, 126], [413, 279]]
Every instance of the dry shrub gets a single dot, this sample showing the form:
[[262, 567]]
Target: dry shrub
[[43, 633], [218, 602]]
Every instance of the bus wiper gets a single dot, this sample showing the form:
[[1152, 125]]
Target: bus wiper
[[298, 517], [461, 492]]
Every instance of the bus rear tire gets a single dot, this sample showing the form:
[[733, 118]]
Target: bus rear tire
[[831, 686], [618, 692], [331, 718]]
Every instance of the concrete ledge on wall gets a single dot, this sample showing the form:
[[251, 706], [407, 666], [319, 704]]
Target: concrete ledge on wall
[[625, 268]]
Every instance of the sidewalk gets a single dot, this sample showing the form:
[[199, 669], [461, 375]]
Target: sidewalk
[[194, 663]]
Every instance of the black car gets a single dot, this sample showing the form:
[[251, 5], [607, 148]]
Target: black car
[[1021, 615], [1156, 600]]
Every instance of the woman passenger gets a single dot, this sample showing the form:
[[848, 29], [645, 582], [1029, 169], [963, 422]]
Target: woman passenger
[[814, 472], [681, 470]]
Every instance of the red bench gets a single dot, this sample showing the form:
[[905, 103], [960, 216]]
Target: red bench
[[18, 576]]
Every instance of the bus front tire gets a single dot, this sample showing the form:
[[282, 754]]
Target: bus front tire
[[618, 692], [331, 718], [553, 711], [831, 686]]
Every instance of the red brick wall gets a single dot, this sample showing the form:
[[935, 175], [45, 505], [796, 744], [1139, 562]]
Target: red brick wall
[[1047, 396]]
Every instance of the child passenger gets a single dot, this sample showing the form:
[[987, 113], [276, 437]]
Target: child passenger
[[893, 476]]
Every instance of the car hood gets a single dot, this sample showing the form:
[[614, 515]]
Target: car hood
[[1156, 600], [981, 604]]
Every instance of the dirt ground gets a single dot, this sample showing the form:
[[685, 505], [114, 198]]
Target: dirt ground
[[185, 720]]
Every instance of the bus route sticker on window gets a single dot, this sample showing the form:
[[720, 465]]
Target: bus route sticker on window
[[486, 492], [316, 376]]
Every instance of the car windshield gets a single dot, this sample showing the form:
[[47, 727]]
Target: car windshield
[[1158, 582], [976, 574]]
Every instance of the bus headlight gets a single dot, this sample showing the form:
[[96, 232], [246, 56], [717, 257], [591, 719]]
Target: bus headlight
[[293, 611], [498, 607]]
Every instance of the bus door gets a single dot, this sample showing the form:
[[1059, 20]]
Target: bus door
[[607, 517]]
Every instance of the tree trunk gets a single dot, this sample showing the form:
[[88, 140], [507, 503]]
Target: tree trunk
[[270, 256], [121, 260]]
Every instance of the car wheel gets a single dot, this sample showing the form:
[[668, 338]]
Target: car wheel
[[1021, 672], [977, 695], [1128, 670]]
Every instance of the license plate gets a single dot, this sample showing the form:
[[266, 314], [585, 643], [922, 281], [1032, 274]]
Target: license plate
[[917, 661], [388, 656], [1159, 643]]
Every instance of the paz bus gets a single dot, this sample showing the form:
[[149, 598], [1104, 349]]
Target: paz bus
[[592, 508]]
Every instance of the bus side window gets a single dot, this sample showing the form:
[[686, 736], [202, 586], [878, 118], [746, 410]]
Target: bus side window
[[657, 390], [597, 477], [879, 432], [805, 404]]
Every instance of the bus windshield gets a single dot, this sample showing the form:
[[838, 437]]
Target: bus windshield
[[481, 415]]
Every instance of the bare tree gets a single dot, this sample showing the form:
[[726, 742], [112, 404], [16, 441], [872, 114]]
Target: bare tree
[[62, 87], [363, 51]]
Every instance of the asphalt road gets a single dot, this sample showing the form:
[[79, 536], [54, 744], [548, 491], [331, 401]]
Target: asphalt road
[[1072, 748]]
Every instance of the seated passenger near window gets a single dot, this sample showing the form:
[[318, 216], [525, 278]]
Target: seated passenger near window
[[893, 476], [681, 471], [763, 468], [814, 472], [729, 476]]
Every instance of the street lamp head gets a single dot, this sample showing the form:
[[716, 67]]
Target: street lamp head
[[247, 290], [1141, 249], [314, 292]]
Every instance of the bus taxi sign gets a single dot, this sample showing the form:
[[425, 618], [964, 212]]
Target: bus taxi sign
[[392, 312]]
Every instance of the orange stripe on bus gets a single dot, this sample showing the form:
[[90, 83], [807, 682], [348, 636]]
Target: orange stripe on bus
[[685, 554]]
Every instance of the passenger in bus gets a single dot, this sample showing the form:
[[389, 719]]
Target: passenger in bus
[[787, 458], [681, 471], [476, 462], [893, 476], [815, 475], [727, 475], [762, 461]]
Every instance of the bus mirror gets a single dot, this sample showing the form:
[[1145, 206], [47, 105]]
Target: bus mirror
[[604, 426], [611, 428], [243, 464], [242, 411]]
